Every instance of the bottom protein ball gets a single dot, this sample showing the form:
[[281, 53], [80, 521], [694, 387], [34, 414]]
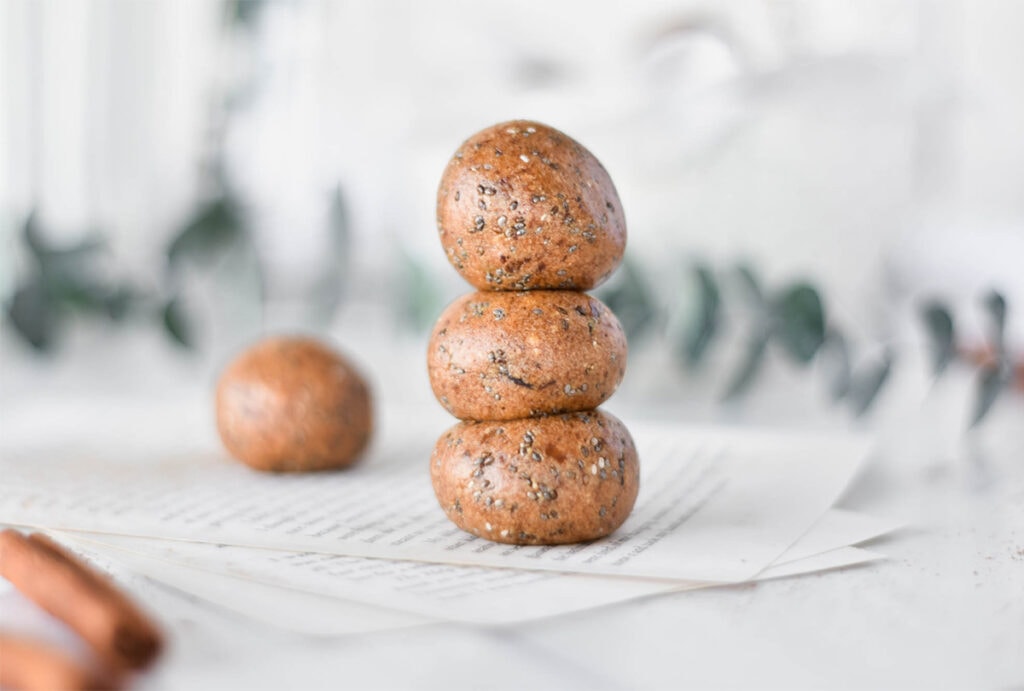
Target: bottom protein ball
[[293, 404], [537, 481]]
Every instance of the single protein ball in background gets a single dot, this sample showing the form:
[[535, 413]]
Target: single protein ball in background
[[522, 206], [293, 404], [505, 355], [539, 481]]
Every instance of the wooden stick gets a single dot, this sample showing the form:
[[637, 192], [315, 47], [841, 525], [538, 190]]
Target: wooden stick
[[28, 665], [81, 597]]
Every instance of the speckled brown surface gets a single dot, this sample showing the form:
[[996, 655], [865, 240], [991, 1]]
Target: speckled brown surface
[[539, 481], [502, 355], [293, 404], [524, 206]]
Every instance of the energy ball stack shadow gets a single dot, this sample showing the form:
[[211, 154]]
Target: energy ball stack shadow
[[531, 219]]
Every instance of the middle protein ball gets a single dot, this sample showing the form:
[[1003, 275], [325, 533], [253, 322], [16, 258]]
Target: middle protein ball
[[503, 356]]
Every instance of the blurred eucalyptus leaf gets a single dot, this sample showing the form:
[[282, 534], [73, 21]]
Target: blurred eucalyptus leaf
[[61, 280], [52, 258], [120, 301], [749, 368], [631, 301], [339, 226], [836, 361], [80, 293], [75, 255], [995, 304], [32, 236], [420, 299], [939, 323], [992, 379], [330, 287], [995, 376], [750, 285], [705, 322], [800, 322], [32, 314], [176, 323], [215, 227], [244, 13], [866, 385]]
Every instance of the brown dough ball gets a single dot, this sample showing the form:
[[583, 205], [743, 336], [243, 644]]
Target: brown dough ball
[[522, 206], [501, 356], [540, 481], [293, 404]]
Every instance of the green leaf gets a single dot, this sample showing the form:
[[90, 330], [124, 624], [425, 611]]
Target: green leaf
[[995, 304], [78, 292], [73, 257], [631, 301], [749, 368], [836, 360], [33, 237], [329, 288], [214, 228], [995, 376], [939, 324], [992, 379], [702, 331], [120, 301], [176, 323], [338, 221], [800, 320], [421, 302], [33, 314], [750, 285], [244, 13], [57, 258], [865, 387]]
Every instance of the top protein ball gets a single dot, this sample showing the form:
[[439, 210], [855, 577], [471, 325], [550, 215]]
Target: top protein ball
[[522, 206]]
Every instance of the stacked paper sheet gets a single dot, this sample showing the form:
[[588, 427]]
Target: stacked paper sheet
[[716, 506]]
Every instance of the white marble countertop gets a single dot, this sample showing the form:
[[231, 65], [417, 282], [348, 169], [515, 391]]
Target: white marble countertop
[[946, 609]]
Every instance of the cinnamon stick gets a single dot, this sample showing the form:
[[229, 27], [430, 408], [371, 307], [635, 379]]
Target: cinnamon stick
[[46, 573], [29, 665]]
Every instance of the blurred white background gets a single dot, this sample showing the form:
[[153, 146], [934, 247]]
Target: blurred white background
[[871, 147]]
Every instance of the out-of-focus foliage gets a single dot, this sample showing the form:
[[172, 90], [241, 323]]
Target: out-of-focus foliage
[[997, 373], [938, 322], [630, 298], [703, 326], [419, 299], [62, 282]]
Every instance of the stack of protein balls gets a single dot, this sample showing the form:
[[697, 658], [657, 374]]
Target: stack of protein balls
[[531, 219]]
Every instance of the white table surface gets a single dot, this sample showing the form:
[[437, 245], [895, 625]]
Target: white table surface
[[946, 609]]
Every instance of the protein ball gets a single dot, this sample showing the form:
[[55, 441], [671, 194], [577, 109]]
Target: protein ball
[[538, 481], [293, 404], [522, 206], [501, 355]]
